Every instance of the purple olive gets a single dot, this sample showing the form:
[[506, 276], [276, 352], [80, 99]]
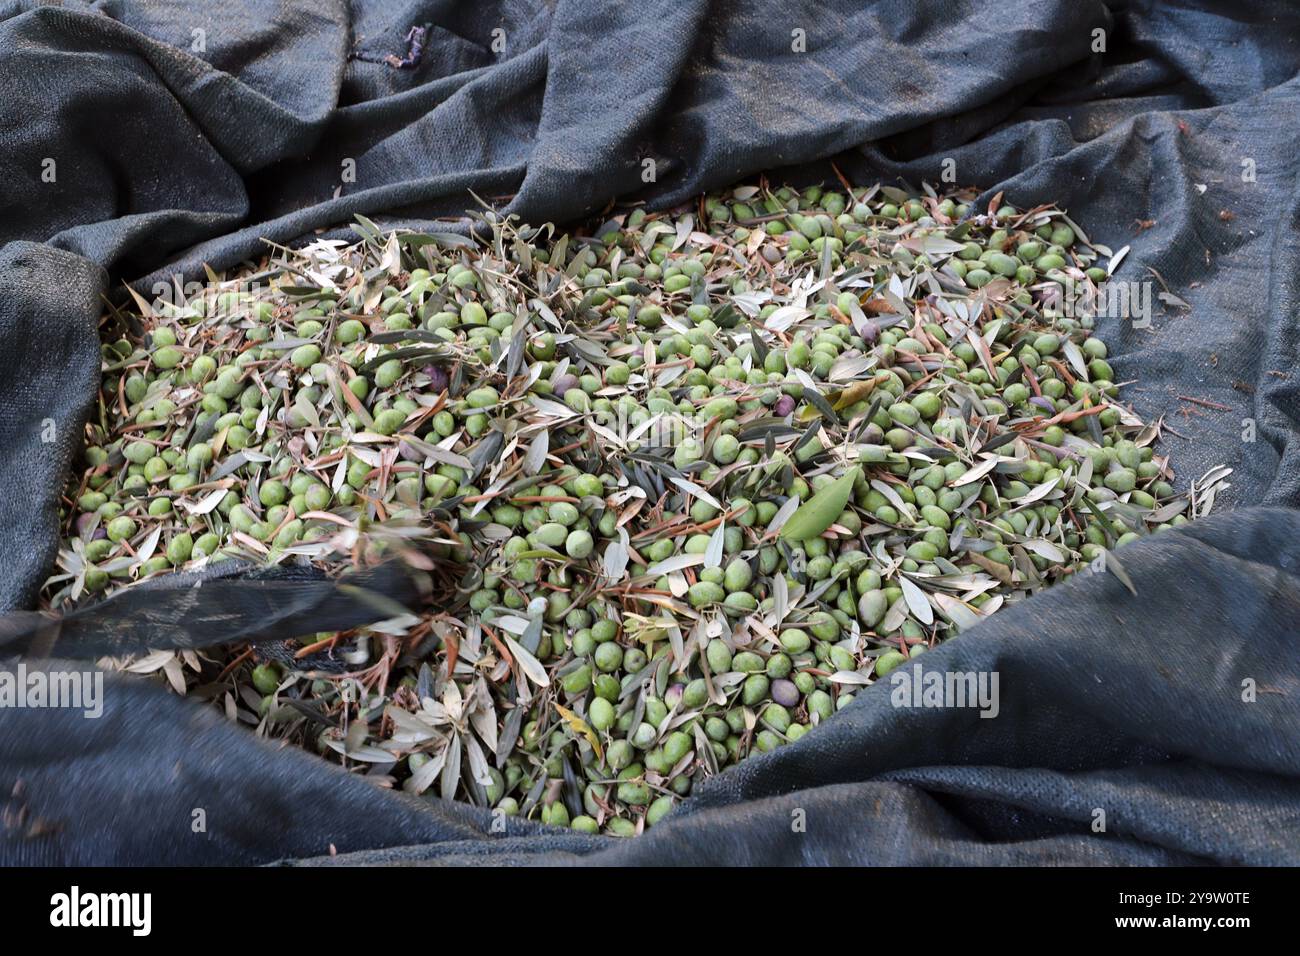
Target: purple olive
[[784, 406], [84, 521], [785, 693], [673, 694], [438, 380], [563, 383]]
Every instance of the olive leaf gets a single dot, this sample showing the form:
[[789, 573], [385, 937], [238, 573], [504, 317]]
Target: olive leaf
[[819, 512]]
